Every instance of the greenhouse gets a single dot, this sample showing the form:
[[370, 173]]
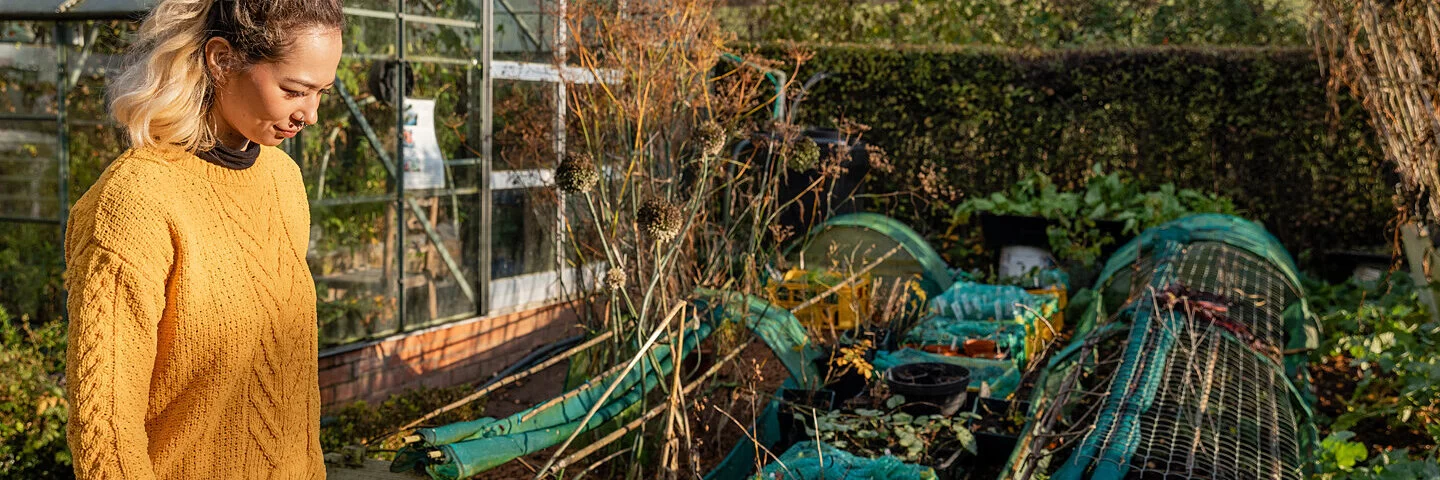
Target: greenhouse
[[726, 239]]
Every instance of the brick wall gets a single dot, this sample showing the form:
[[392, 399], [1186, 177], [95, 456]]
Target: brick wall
[[462, 352]]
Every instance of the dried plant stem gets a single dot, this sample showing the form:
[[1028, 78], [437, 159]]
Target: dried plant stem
[[509, 380], [600, 402], [654, 412], [1388, 53]]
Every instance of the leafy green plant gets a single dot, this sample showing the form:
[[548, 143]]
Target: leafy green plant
[[1342, 459], [1387, 336], [359, 421], [1200, 118], [873, 433], [1048, 23], [33, 409], [1075, 234]]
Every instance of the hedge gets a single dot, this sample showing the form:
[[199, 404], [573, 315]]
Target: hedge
[[1254, 124]]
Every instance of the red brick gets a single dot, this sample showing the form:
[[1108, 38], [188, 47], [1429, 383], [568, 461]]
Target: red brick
[[345, 392], [437, 380], [410, 349], [433, 341], [338, 374], [329, 361], [459, 351], [526, 326], [463, 331], [327, 396], [369, 361], [469, 373]]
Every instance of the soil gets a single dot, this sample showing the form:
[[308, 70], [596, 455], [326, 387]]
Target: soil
[[1335, 382], [743, 389]]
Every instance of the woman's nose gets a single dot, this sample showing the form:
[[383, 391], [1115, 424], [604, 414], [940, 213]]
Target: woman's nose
[[310, 114]]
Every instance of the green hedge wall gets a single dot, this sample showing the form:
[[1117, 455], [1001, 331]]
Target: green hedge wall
[[1254, 124]]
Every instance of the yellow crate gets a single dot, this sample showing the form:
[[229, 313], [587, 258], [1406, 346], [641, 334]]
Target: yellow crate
[[1039, 335], [839, 311]]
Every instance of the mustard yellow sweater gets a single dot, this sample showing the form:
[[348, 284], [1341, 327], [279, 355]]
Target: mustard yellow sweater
[[192, 349]]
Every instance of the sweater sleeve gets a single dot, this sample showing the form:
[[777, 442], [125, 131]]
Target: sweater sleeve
[[115, 309]]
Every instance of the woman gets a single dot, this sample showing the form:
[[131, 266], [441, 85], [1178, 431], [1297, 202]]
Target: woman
[[192, 347]]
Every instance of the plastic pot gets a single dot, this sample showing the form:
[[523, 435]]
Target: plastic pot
[[845, 385], [796, 408], [929, 388]]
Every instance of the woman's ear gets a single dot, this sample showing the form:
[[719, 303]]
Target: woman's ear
[[218, 57]]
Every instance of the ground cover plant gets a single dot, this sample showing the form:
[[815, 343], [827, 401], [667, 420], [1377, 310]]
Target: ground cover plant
[[1377, 379]]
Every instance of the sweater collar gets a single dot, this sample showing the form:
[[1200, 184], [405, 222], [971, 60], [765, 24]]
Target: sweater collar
[[231, 158]]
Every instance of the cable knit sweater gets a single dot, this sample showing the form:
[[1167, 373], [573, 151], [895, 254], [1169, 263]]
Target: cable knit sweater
[[192, 347]]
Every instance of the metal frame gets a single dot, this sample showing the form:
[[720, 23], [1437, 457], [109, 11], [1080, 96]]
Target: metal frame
[[486, 294]]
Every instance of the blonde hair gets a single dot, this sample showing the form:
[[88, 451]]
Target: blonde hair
[[164, 93]]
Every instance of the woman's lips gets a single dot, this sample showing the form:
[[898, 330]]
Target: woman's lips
[[286, 133]]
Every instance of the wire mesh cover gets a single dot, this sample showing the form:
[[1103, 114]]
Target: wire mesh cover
[[1253, 293], [1221, 412], [1214, 407]]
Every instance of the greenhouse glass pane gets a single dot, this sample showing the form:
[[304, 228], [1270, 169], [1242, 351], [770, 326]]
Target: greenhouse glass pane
[[523, 232]]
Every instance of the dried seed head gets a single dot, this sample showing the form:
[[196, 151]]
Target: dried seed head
[[577, 174], [659, 219], [803, 155], [615, 278], [711, 138]]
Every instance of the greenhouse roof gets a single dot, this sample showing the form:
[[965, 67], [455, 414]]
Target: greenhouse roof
[[73, 9]]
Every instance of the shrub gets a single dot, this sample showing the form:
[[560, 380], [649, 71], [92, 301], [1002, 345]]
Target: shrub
[[1250, 124], [33, 409]]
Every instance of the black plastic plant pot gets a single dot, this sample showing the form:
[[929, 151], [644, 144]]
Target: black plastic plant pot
[[997, 447], [1005, 230], [1020, 230], [930, 388], [846, 385], [795, 410], [879, 338], [986, 406]]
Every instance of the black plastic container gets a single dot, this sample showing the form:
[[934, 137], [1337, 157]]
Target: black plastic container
[[846, 384], [796, 407], [990, 443], [1005, 230], [879, 337], [930, 388]]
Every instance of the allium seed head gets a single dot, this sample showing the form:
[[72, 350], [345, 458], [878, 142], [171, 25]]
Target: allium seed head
[[615, 278], [804, 155], [577, 173], [660, 219], [711, 138]]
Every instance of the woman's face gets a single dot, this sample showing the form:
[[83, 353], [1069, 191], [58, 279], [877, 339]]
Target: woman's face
[[271, 101]]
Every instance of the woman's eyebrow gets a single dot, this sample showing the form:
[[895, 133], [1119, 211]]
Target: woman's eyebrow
[[308, 84]]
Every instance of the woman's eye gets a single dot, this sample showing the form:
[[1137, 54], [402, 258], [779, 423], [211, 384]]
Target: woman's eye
[[293, 93]]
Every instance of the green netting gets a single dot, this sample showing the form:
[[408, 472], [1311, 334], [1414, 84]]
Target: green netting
[[820, 461], [1000, 376], [1301, 328], [775, 326], [1005, 314], [1199, 391], [1009, 338], [1213, 227], [475, 446], [977, 301], [867, 236]]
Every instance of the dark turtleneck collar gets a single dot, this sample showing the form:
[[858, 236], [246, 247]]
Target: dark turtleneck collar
[[231, 158]]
